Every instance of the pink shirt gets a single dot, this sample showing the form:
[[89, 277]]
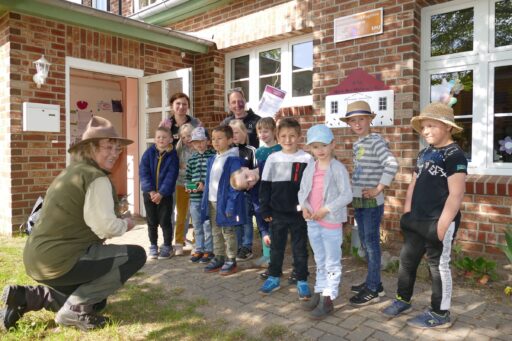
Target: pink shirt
[[316, 196]]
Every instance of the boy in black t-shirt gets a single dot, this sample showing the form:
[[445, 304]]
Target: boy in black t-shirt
[[431, 216]]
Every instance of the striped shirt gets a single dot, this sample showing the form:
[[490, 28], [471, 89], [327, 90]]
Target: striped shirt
[[373, 164], [196, 171]]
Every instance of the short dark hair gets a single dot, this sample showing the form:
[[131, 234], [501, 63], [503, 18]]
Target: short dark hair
[[288, 122], [164, 129], [179, 95], [227, 130]]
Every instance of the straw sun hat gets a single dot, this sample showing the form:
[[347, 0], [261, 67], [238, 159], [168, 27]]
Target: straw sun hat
[[439, 112], [358, 108], [99, 128]]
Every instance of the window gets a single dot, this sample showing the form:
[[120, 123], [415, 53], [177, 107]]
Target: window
[[139, 5], [470, 43], [383, 103], [76, 1], [286, 65], [103, 5], [334, 107]]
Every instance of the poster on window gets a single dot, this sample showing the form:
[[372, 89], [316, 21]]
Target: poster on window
[[270, 101]]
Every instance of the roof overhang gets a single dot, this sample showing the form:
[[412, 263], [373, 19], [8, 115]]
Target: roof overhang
[[87, 17]]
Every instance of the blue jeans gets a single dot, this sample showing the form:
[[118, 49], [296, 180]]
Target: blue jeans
[[202, 231], [326, 245], [244, 234], [368, 226]]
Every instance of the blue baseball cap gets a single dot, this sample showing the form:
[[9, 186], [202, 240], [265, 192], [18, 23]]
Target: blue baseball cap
[[319, 133]]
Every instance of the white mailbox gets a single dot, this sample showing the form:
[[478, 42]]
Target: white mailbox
[[41, 117]]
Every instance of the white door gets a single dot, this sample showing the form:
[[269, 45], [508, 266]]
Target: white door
[[154, 94]]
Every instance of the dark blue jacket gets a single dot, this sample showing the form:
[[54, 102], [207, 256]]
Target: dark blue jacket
[[231, 207], [168, 172]]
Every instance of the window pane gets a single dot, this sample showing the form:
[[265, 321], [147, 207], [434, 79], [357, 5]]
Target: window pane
[[154, 95], [503, 89], [503, 23], [302, 83], [172, 86], [452, 32], [270, 62], [240, 68], [503, 114], [275, 81], [503, 139], [302, 55], [242, 84], [152, 122], [440, 86]]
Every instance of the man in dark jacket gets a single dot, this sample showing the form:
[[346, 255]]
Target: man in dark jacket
[[236, 101]]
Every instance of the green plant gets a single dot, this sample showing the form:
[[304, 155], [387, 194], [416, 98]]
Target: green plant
[[480, 269], [507, 249]]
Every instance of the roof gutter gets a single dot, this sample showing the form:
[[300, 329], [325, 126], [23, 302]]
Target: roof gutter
[[83, 16]]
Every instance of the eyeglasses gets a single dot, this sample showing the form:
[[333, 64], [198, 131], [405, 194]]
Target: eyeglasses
[[116, 149]]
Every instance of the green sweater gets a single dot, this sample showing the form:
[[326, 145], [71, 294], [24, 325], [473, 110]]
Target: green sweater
[[61, 236]]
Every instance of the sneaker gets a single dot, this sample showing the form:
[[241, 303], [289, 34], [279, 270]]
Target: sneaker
[[196, 257], [207, 257], [81, 320], [429, 319], [263, 275], [364, 297], [397, 307], [189, 246], [228, 268], [165, 252], [214, 265], [153, 252], [178, 250], [244, 254], [292, 279], [358, 288], [270, 285], [303, 290], [14, 301]]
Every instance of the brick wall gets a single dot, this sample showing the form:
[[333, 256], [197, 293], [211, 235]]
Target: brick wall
[[38, 157]]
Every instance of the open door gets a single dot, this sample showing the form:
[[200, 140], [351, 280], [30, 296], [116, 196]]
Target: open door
[[154, 94]]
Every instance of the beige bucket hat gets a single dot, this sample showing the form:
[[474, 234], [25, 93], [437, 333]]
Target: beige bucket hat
[[99, 128], [358, 108], [436, 111]]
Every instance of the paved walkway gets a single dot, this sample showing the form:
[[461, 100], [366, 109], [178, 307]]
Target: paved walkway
[[235, 298]]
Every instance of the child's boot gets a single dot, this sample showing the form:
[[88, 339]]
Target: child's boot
[[229, 267], [324, 308], [312, 303], [215, 264]]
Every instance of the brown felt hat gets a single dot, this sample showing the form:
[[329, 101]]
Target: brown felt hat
[[358, 108], [436, 111], [99, 128]]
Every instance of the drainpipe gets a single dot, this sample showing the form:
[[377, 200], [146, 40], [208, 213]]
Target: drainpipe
[[120, 7]]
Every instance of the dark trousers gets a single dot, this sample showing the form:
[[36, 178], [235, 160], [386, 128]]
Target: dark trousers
[[160, 214], [438, 257], [279, 228]]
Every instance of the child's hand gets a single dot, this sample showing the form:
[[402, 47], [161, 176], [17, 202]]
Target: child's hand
[[200, 187], [369, 193], [266, 240], [152, 195], [268, 219], [320, 214], [306, 214], [157, 198]]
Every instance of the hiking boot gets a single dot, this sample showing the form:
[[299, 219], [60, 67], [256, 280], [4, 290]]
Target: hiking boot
[[430, 320], [324, 308], [81, 317], [207, 257], [303, 290], [293, 278], [364, 297], [228, 268], [15, 303], [178, 250], [397, 307], [214, 265], [312, 303], [358, 288], [196, 257], [270, 285], [263, 275], [165, 252], [153, 252], [244, 254]]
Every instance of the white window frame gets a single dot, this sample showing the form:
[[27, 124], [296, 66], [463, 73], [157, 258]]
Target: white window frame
[[95, 5], [482, 61], [286, 72], [137, 8]]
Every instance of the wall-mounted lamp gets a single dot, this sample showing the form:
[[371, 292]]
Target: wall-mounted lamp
[[42, 67]]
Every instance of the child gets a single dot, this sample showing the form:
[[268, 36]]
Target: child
[[247, 154], [432, 216], [196, 177], [324, 195], [184, 150], [279, 186], [224, 205], [266, 129], [158, 171], [374, 169]]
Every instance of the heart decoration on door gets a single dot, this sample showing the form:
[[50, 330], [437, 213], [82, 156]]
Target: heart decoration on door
[[82, 104]]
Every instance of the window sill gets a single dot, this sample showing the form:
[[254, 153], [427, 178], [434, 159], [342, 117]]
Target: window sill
[[489, 185]]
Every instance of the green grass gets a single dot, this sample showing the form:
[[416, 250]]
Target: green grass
[[139, 312]]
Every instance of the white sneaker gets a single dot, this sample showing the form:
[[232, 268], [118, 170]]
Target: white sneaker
[[178, 250], [189, 246]]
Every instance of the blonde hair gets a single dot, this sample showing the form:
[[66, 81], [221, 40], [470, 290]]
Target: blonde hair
[[266, 123], [240, 125], [186, 128], [232, 180]]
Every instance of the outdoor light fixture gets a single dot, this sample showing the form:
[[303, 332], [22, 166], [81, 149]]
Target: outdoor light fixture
[[42, 67]]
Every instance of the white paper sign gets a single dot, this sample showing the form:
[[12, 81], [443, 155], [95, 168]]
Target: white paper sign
[[271, 101]]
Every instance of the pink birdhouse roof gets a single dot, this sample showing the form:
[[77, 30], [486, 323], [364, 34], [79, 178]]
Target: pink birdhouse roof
[[358, 81]]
